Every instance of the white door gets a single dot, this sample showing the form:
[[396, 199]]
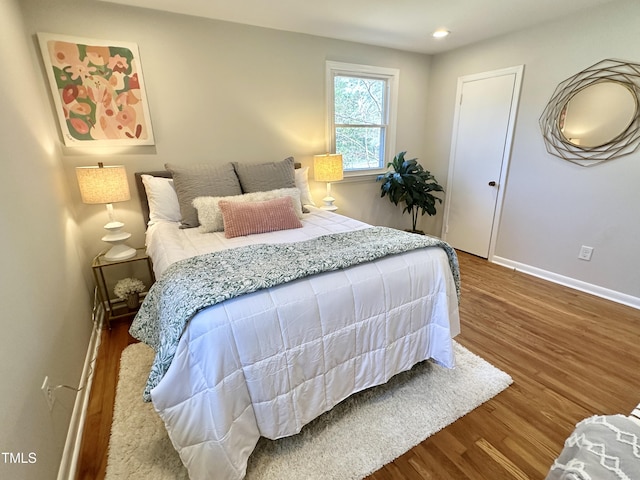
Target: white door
[[480, 150]]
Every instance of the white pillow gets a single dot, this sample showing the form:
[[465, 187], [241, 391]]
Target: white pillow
[[210, 215], [162, 199], [302, 184]]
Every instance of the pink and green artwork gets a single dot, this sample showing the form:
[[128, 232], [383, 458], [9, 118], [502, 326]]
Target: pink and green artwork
[[98, 91]]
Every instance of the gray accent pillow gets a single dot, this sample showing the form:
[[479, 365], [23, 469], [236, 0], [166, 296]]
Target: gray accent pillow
[[602, 447], [191, 181], [265, 177]]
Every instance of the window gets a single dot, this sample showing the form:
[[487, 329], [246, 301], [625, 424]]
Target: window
[[361, 115]]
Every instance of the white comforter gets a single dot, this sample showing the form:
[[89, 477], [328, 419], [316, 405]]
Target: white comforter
[[270, 362]]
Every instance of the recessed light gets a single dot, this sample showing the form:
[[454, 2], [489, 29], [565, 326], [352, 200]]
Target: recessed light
[[441, 33]]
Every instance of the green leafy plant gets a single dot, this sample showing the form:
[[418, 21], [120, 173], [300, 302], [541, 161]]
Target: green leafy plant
[[407, 182]]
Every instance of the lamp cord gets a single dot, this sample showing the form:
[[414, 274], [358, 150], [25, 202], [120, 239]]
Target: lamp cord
[[96, 319]]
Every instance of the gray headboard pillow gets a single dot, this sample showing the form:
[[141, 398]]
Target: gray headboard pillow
[[201, 181], [265, 177]]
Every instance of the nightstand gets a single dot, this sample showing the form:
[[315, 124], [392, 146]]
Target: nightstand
[[107, 273]]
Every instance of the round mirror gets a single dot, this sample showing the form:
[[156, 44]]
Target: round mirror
[[593, 116], [597, 114]]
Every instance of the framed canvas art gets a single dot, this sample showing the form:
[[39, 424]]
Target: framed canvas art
[[98, 91]]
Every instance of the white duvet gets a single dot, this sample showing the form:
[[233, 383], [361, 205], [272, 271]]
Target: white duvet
[[267, 363]]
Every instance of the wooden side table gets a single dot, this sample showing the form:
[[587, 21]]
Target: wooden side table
[[116, 308]]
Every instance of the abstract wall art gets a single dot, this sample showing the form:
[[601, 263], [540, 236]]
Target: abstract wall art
[[98, 91]]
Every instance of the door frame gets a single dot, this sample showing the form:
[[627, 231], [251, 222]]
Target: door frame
[[518, 70]]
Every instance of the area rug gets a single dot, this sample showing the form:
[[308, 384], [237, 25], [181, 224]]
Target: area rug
[[356, 438]]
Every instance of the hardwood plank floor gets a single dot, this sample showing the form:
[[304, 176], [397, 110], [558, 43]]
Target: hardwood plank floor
[[571, 355]]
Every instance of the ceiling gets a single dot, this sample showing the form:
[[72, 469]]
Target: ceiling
[[401, 24]]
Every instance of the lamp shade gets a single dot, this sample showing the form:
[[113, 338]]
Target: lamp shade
[[328, 167], [103, 184]]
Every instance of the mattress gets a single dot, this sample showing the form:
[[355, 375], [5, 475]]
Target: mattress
[[269, 362]]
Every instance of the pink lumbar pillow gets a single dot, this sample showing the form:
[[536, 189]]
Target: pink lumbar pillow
[[246, 218]]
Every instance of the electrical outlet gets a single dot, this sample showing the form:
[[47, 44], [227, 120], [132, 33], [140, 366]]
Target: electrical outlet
[[48, 393], [585, 253]]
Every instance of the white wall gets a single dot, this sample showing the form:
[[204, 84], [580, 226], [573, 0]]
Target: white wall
[[551, 206], [44, 294], [222, 92]]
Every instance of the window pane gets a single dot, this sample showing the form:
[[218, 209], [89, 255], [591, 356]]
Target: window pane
[[359, 100], [361, 147]]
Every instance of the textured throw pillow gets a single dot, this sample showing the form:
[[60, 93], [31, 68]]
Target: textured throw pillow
[[210, 215], [162, 199], [258, 217], [265, 176], [302, 184], [199, 181]]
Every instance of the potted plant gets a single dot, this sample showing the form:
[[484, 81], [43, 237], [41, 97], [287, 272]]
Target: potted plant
[[407, 182], [129, 289]]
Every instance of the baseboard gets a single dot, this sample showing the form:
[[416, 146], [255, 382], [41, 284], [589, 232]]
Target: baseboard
[[596, 290], [69, 461]]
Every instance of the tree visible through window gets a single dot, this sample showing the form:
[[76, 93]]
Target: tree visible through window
[[359, 118], [362, 113]]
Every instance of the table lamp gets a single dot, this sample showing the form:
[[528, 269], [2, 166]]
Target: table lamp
[[328, 168], [108, 185]]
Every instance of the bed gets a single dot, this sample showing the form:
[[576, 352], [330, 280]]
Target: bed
[[257, 335]]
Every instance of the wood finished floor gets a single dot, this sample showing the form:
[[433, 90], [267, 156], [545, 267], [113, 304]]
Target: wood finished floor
[[571, 355]]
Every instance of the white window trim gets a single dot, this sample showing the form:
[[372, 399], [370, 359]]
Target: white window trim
[[392, 76]]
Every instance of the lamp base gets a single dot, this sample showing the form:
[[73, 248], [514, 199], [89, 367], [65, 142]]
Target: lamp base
[[328, 204], [328, 200], [119, 250]]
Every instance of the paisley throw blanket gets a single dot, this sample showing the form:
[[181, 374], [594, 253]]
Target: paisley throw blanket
[[193, 284]]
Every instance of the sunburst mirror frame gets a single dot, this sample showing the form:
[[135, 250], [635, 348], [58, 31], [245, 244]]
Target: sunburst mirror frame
[[627, 142]]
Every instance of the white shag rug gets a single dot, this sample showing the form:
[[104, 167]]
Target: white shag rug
[[356, 438]]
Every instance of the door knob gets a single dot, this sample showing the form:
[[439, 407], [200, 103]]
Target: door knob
[[492, 183]]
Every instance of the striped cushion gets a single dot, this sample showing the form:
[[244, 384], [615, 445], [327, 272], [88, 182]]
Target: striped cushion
[[258, 217]]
